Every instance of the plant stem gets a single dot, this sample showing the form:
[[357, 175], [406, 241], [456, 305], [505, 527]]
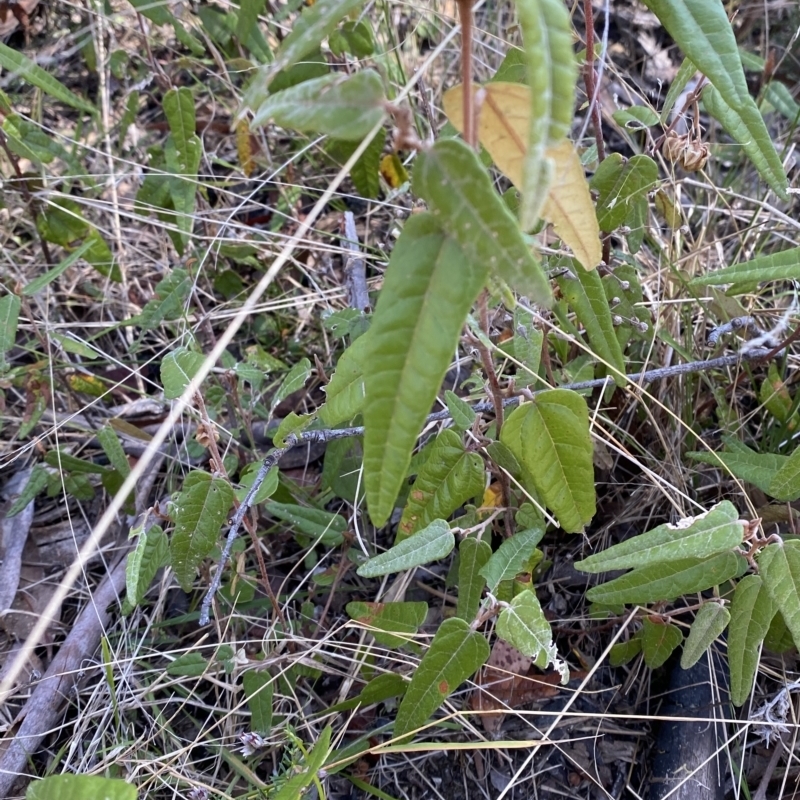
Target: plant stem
[[590, 80], [465, 15]]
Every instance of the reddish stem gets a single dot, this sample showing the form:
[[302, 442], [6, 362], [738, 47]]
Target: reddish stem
[[465, 15], [590, 80]]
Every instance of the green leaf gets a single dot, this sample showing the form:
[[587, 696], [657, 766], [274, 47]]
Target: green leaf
[[552, 74], [315, 23], [171, 294], [248, 476], [160, 15], [550, 438], [514, 67], [16, 63], [526, 345], [314, 522], [779, 567], [621, 185], [67, 462], [295, 379], [669, 580], [584, 292], [511, 557], [623, 652], [344, 394], [779, 637], [150, 554], [702, 30], [711, 620], [449, 478], [786, 483], [752, 611], [523, 625], [200, 510], [403, 618], [460, 411], [686, 72], [9, 319], [473, 555], [783, 266], [428, 290], [744, 463], [293, 788], [459, 193], [659, 639], [258, 688], [636, 118], [780, 98], [715, 531], [430, 544], [39, 283], [112, 447], [342, 106], [291, 425], [456, 652], [354, 37], [37, 483], [365, 173], [80, 787], [177, 370], [249, 33], [188, 665]]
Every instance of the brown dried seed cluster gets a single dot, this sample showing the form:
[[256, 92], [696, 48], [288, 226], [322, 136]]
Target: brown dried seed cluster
[[689, 153]]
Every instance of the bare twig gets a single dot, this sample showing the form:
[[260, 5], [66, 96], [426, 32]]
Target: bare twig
[[591, 82], [355, 267], [329, 435]]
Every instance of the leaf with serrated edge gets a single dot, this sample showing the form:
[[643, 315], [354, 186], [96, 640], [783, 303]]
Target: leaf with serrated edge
[[342, 106], [785, 485], [783, 266], [449, 478], [743, 463], [752, 610], [510, 558], [585, 294], [473, 555], [715, 531], [702, 30], [456, 652], [550, 438], [427, 292], [503, 131], [523, 625], [315, 23], [9, 318], [779, 567], [552, 74], [177, 370], [200, 511], [430, 544], [668, 580], [658, 641], [459, 192], [709, 623]]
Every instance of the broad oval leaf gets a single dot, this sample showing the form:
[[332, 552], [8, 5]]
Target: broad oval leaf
[[550, 438], [460, 411], [430, 544], [80, 787], [325, 526], [294, 380], [428, 290], [659, 639], [669, 580], [177, 370], [783, 266], [200, 510], [342, 106], [552, 74], [456, 652], [171, 294], [752, 611], [503, 130], [523, 625], [584, 292], [511, 557], [148, 556], [779, 567], [258, 688], [715, 531], [757, 468], [622, 186], [402, 618], [702, 30], [785, 485], [711, 620], [448, 479], [472, 556], [459, 192]]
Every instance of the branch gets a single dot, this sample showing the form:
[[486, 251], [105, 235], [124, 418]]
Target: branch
[[329, 435]]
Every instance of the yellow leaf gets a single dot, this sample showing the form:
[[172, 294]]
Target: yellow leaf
[[88, 384], [244, 147], [503, 131], [393, 171], [493, 496]]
